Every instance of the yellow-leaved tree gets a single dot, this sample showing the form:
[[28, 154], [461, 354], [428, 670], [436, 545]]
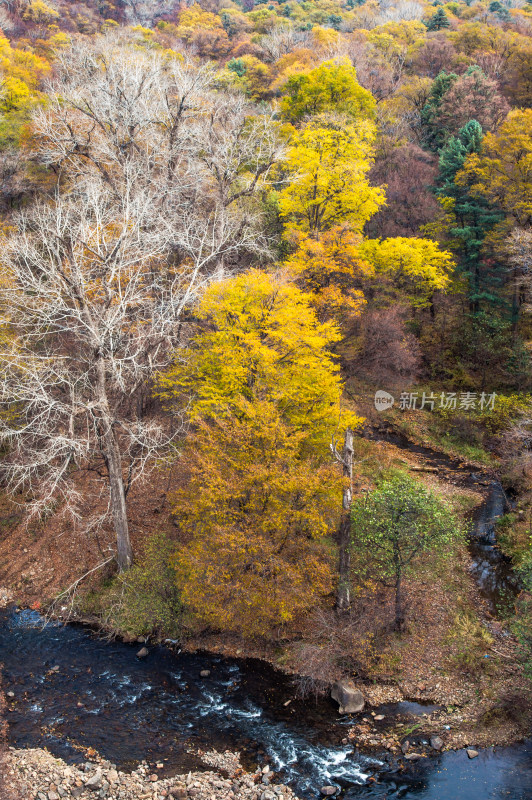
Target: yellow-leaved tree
[[330, 267], [256, 518], [329, 87], [260, 341], [22, 71], [416, 267], [263, 496], [330, 162], [502, 172]]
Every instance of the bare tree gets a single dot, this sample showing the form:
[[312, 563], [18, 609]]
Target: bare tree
[[345, 458], [150, 203], [519, 247], [282, 39]]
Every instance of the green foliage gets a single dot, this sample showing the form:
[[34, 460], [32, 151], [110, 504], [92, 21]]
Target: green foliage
[[395, 526], [473, 218], [143, 601], [329, 87], [432, 134], [438, 21], [400, 521], [148, 599], [522, 628], [237, 65], [486, 347]]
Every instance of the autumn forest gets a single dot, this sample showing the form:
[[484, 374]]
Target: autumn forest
[[266, 332]]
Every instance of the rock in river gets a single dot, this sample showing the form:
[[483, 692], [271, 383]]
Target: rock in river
[[472, 753], [143, 652], [349, 698], [436, 743]]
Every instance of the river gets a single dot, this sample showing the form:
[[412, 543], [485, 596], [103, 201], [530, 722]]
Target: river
[[73, 690]]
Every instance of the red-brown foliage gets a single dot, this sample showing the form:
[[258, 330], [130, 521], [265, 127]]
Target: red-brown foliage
[[408, 172]]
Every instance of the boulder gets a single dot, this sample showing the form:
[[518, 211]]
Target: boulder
[[405, 747], [413, 756], [205, 673], [143, 652], [349, 698], [472, 753], [95, 782], [179, 793], [436, 743], [328, 791]]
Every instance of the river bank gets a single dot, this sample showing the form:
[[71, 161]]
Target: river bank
[[37, 775], [87, 700], [455, 653]]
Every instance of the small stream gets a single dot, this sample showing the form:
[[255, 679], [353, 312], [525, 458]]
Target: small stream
[[491, 569], [73, 690]]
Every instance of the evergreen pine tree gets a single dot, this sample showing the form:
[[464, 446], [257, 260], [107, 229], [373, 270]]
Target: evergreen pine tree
[[433, 135], [474, 217], [438, 21]]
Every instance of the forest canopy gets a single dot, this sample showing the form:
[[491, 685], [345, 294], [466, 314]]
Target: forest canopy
[[225, 225]]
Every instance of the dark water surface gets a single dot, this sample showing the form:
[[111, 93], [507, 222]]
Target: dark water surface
[[159, 708]]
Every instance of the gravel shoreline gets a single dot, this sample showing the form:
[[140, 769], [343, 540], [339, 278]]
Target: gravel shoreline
[[37, 775]]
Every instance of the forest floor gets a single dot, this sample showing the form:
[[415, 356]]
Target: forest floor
[[454, 653]]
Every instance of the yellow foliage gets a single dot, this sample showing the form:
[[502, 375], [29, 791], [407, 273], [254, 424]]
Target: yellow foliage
[[331, 87], [418, 266], [22, 64], [22, 71], [194, 17], [330, 267], [400, 32], [37, 11], [257, 517], [502, 172], [296, 62], [261, 341], [325, 37], [257, 78], [331, 187]]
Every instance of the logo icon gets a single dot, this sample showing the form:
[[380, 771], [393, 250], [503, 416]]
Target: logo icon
[[383, 400]]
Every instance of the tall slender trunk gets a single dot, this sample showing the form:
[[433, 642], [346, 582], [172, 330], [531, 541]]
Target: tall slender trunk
[[398, 622], [118, 499], [114, 468], [343, 593]]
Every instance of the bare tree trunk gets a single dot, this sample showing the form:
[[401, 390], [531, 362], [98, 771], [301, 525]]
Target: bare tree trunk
[[118, 499], [398, 622], [113, 459], [343, 593]]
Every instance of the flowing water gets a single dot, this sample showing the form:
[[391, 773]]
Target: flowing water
[[160, 709], [491, 569], [101, 695]]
